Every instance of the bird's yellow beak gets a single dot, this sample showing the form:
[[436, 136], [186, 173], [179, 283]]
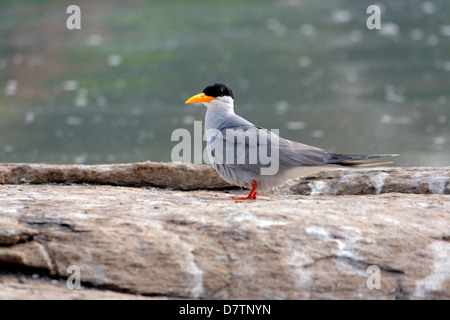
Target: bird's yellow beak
[[201, 97]]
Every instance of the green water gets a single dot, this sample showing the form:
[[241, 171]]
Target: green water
[[114, 91]]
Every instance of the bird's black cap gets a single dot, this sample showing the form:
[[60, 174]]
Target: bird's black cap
[[218, 90]]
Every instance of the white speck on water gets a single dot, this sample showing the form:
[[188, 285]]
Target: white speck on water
[[114, 60], [3, 63], [442, 119], [143, 136], [74, 121], [416, 34], [17, 59], [439, 140], [171, 44], [243, 84], [81, 102], [120, 83], [80, 159], [428, 7], [281, 107], [304, 62], [83, 92], [386, 118], [101, 101], [295, 125], [446, 65], [29, 117], [440, 273], [442, 99], [227, 56], [97, 118], [81, 98], [404, 120], [378, 181], [35, 60], [307, 29], [187, 120], [94, 39], [393, 95], [351, 76], [445, 30], [355, 36], [136, 112], [432, 40], [389, 29], [274, 25], [341, 16], [122, 122], [8, 148], [70, 85], [317, 133], [59, 133], [11, 87]]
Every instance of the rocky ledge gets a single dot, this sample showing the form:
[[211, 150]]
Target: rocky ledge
[[155, 230]]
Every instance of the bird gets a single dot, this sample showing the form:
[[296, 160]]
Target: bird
[[238, 150]]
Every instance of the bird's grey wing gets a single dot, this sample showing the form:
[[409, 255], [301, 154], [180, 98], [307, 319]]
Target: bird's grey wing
[[242, 145], [291, 153], [298, 154]]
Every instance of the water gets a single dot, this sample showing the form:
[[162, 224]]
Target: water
[[114, 91]]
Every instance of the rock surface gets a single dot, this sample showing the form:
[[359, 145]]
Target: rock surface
[[181, 176], [166, 175], [376, 181], [149, 242]]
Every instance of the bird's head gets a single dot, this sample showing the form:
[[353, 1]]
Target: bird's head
[[216, 97]]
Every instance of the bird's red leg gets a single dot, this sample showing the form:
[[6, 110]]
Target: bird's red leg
[[252, 194]]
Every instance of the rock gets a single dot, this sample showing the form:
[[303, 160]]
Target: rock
[[166, 175], [31, 255], [179, 176], [25, 287], [134, 242], [375, 181], [14, 233]]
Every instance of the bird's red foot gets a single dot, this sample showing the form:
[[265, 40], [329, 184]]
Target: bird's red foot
[[249, 197], [252, 194]]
